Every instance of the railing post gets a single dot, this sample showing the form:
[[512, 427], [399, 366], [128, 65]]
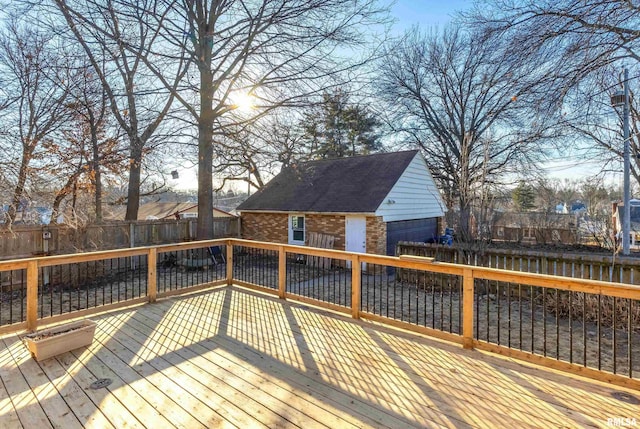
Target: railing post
[[467, 308], [152, 286], [355, 286], [32, 295], [229, 263], [282, 272]]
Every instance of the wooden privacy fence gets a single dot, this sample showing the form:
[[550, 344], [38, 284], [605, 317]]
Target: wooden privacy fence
[[614, 268], [24, 241], [535, 317]]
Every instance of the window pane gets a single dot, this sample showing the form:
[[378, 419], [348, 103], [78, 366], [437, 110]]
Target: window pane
[[298, 235], [297, 222]]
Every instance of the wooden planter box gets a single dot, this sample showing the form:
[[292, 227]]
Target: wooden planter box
[[54, 341]]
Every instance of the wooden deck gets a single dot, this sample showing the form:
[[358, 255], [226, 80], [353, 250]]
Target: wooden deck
[[229, 357]]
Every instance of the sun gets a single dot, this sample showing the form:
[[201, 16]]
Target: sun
[[243, 101]]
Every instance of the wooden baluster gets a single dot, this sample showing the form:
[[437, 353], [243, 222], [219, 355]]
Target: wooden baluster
[[32, 295], [355, 286], [282, 272], [467, 309], [152, 286]]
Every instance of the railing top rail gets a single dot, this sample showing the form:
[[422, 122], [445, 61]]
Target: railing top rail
[[623, 290], [292, 248], [45, 261], [13, 264], [549, 255]]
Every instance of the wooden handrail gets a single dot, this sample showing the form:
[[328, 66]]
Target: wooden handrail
[[468, 273]]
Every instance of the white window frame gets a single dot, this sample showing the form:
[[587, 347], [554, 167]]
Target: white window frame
[[292, 230]]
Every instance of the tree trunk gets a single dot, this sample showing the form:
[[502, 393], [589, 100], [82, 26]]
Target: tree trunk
[[74, 200], [133, 192], [97, 174], [465, 221], [55, 209], [19, 189], [205, 156]]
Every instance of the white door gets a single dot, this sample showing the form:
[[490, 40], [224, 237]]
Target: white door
[[355, 234]]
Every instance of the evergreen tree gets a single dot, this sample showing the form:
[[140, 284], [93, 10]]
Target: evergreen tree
[[336, 129], [523, 196]]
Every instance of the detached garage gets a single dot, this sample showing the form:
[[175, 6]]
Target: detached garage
[[366, 203]]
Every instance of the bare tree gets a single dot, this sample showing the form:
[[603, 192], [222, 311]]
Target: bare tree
[[471, 106], [37, 77], [585, 34], [117, 37], [595, 195], [589, 41], [91, 146], [547, 194], [259, 151], [276, 50]]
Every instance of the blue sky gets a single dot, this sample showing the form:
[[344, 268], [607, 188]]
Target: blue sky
[[426, 12], [438, 13]]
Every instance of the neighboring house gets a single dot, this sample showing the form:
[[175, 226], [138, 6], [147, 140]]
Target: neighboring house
[[150, 211], [618, 208], [535, 228], [562, 208], [576, 207], [367, 203]]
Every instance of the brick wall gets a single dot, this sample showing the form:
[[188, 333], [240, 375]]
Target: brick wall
[[327, 224], [376, 235], [273, 227]]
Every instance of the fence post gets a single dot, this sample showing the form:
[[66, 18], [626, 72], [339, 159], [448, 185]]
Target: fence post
[[152, 286], [355, 286], [282, 272], [32, 295], [467, 308], [229, 263]]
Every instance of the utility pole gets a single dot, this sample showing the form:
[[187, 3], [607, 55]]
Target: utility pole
[[618, 99], [626, 221]]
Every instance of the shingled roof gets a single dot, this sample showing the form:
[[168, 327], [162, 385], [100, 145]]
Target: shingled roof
[[347, 185]]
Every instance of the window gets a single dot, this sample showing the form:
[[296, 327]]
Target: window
[[296, 229], [528, 232]]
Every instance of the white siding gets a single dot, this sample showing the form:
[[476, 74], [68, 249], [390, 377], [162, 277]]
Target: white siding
[[414, 196]]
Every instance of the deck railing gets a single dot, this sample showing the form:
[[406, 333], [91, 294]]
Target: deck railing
[[584, 326], [594, 266]]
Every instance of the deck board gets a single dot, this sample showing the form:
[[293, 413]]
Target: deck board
[[230, 357], [213, 352], [53, 404]]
